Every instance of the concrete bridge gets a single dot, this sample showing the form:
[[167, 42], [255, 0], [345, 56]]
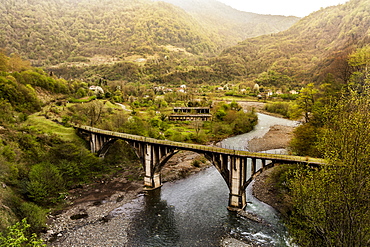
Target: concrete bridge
[[238, 168]]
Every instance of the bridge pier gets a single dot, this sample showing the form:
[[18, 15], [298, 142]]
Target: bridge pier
[[97, 143], [152, 179], [237, 197], [233, 165], [153, 158]]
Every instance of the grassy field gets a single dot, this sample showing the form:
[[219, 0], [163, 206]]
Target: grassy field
[[40, 123]]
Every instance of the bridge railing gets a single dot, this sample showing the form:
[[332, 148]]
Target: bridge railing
[[198, 147]]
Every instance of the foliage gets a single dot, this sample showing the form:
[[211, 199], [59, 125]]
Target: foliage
[[17, 236], [272, 78], [305, 141], [282, 108], [304, 53], [331, 204], [45, 184], [314, 102], [230, 119], [54, 32]]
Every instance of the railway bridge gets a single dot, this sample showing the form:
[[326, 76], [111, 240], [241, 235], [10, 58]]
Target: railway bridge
[[238, 168]]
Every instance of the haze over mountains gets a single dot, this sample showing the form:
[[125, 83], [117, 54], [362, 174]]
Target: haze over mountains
[[314, 46], [231, 24], [128, 40]]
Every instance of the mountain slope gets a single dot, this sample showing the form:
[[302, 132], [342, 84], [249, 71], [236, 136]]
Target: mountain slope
[[307, 49], [232, 25], [52, 31]]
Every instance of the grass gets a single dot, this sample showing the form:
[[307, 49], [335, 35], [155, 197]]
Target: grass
[[42, 124], [244, 98], [109, 104]]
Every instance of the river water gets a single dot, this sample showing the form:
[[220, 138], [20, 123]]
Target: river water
[[193, 211]]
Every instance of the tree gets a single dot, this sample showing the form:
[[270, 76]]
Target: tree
[[94, 111], [45, 184], [305, 140], [4, 61], [306, 100], [332, 204], [361, 60]]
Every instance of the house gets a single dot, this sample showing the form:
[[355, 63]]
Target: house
[[96, 89]]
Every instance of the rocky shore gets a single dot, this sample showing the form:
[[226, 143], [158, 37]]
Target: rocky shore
[[90, 208]]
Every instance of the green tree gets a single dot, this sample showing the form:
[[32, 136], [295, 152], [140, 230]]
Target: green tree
[[306, 100], [4, 61], [361, 60], [332, 204], [45, 183], [304, 142], [93, 111], [17, 236]]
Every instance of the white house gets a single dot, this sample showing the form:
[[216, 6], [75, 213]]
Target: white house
[[96, 89]]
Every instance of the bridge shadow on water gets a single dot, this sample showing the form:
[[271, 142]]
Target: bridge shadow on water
[[192, 212], [155, 224]]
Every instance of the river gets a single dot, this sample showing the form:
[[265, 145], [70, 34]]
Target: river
[[193, 211]]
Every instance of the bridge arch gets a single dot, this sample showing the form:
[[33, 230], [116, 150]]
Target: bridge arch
[[238, 168]]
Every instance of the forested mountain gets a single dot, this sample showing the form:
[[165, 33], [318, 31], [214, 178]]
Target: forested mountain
[[232, 25], [316, 45], [53, 31], [110, 34]]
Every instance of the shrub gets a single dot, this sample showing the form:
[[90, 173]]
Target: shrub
[[35, 215], [45, 184], [16, 236], [281, 108]]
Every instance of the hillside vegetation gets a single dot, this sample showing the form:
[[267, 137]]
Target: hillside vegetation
[[124, 65], [230, 25], [50, 32], [315, 45]]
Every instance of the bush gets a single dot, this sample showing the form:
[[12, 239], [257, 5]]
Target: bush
[[305, 140], [196, 163], [45, 184], [17, 236], [35, 215], [281, 108], [244, 122]]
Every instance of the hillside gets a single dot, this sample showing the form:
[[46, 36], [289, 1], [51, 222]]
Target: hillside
[[232, 25], [314, 46], [50, 32]]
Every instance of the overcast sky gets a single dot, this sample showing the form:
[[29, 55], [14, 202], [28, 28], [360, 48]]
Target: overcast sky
[[300, 8]]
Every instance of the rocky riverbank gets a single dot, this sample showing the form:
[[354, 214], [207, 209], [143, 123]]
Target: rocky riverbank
[[90, 208]]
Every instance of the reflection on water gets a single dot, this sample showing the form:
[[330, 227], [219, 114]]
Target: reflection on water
[[193, 211], [155, 224]]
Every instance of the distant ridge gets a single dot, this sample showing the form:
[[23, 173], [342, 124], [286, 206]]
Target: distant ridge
[[231, 24], [316, 45]]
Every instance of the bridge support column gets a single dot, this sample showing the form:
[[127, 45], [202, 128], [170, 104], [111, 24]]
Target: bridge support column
[[152, 179], [237, 197], [97, 141], [152, 182]]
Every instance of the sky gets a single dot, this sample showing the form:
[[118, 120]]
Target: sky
[[300, 8]]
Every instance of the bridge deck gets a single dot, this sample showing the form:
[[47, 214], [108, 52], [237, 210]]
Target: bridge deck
[[204, 148]]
